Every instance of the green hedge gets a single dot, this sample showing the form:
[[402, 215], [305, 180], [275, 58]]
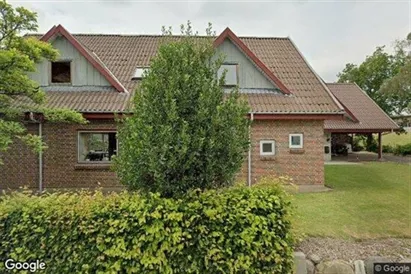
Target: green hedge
[[236, 230], [402, 150]]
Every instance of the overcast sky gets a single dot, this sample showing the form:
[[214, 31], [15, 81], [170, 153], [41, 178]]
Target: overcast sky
[[328, 33]]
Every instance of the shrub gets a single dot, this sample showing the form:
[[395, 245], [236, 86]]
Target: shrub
[[187, 131], [387, 149], [357, 142], [402, 150], [235, 230]]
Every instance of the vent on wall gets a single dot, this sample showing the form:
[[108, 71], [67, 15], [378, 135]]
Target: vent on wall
[[139, 73]]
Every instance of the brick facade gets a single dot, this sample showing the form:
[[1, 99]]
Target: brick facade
[[305, 166], [61, 169], [60, 166]]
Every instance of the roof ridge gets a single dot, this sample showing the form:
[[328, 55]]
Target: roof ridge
[[160, 35], [340, 83]]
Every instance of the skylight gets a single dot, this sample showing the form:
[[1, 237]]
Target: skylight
[[138, 74]]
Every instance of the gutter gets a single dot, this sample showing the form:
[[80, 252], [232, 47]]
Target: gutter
[[249, 152], [41, 159], [40, 133]]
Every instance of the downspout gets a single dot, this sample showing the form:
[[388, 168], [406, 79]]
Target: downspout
[[249, 152], [41, 159]]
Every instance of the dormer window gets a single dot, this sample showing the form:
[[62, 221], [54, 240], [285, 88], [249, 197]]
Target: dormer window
[[231, 77], [61, 72], [139, 73]]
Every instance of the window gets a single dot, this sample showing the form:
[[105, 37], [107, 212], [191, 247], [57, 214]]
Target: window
[[296, 140], [139, 73], [61, 72], [96, 147], [231, 78], [267, 148]]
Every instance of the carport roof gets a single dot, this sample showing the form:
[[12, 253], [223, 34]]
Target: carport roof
[[363, 114]]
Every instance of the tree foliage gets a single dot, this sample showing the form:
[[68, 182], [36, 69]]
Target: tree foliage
[[18, 57], [186, 131], [377, 68], [398, 88]]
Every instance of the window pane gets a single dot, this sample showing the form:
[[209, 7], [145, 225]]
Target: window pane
[[231, 74], [138, 74], [267, 147], [97, 147], [60, 72], [295, 140]]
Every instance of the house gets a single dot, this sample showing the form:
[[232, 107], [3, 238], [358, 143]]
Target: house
[[291, 108]]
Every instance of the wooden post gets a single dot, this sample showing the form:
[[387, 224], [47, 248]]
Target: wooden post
[[379, 146]]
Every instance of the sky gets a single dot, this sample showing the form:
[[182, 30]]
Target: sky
[[329, 33]]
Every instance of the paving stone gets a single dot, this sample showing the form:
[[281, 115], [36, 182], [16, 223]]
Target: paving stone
[[333, 267], [310, 267], [300, 265], [359, 267], [314, 258]]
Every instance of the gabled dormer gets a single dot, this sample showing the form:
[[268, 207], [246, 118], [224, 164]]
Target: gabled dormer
[[76, 68], [243, 66]]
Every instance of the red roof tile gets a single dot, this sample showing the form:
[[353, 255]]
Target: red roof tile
[[363, 112], [122, 54]]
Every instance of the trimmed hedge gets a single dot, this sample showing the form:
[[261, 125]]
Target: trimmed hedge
[[235, 230]]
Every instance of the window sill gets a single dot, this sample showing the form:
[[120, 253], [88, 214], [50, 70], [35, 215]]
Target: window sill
[[99, 166], [297, 151], [268, 158]]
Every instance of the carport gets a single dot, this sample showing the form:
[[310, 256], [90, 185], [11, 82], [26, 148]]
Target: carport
[[363, 115]]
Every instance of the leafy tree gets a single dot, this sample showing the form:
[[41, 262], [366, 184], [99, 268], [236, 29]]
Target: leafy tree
[[186, 132], [18, 57], [372, 73], [398, 88]]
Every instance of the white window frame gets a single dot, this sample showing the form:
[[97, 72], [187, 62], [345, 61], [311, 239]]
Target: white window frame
[[94, 131], [301, 135], [139, 73], [224, 67], [272, 143]]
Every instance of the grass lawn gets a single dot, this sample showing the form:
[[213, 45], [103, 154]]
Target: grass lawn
[[395, 139], [371, 200]]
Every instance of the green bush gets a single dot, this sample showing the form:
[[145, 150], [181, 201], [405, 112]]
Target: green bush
[[235, 230], [187, 131], [402, 150], [357, 142], [387, 149]]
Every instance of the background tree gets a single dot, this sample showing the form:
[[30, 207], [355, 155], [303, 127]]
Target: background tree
[[398, 88], [186, 132], [383, 77], [18, 57], [372, 73]]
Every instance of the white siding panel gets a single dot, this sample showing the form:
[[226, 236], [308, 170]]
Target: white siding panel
[[83, 73], [249, 76]]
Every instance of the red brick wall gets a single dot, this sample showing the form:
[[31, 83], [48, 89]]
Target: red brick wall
[[20, 164], [305, 166], [61, 169]]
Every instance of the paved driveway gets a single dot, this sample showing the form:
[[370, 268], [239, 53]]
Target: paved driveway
[[365, 156]]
